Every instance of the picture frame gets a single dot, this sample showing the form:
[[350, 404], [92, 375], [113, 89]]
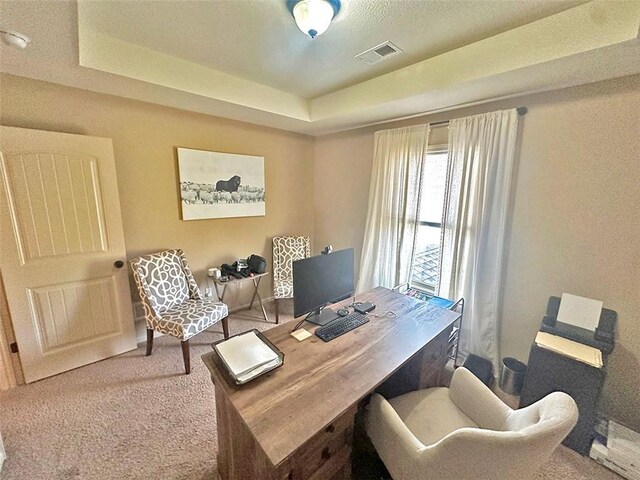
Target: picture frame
[[220, 185]]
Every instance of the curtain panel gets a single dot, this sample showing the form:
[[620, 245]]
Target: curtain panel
[[481, 157], [392, 216]]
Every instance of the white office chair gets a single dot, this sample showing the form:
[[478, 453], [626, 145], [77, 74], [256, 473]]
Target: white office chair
[[465, 432]]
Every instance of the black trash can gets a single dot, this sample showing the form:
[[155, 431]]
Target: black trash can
[[481, 368], [512, 376]]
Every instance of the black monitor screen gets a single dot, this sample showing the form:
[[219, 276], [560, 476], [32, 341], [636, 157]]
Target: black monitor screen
[[323, 279]]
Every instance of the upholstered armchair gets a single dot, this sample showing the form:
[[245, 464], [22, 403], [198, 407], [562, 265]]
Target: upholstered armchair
[[465, 432], [285, 251], [172, 301]]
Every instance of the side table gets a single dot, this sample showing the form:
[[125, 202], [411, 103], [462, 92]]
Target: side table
[[234, 281]]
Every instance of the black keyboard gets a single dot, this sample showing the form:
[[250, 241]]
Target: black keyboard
[[341, 326]]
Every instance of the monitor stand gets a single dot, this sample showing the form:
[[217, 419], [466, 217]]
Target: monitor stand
[[322, 317]]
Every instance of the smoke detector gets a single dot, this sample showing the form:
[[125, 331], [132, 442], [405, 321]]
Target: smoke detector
[[378, 53], [15, 39]]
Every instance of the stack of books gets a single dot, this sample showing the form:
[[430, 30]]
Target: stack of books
[[248, 355]]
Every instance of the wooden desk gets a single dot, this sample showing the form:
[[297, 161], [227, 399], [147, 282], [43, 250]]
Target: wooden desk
[[297, 421]]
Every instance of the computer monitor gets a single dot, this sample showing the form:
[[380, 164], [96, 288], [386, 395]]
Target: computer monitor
[[322, 280]]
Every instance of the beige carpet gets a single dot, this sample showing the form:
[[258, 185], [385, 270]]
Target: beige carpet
[[137, 417]]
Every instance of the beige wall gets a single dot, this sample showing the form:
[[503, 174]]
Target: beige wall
[[575, 224], [342, 174], [144, 140], [575, 220]]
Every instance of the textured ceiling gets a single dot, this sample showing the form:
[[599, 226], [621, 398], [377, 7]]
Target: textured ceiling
[[259, 41]]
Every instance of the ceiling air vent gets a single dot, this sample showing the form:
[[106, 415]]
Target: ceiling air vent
[[378, 53]]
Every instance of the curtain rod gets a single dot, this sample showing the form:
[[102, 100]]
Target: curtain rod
[[521, 111]]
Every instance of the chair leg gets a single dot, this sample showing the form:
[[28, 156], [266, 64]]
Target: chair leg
[[186, 356], [225, 327], [277, 301], [149, 341]]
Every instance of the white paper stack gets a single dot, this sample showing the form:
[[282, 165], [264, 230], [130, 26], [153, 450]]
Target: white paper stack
[[246, 356], [621, 452], [578, 351], [579, 311], [624, 448], [601, 454]]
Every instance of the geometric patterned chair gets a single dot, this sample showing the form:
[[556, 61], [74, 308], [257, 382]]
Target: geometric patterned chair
[[172, 301], [285, 251]]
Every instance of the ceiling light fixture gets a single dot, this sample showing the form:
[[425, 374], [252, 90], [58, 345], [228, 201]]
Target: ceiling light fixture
[[15, 39], [313, 17]]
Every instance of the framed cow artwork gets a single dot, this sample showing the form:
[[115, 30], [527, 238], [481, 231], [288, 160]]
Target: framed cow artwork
[[220, 185]]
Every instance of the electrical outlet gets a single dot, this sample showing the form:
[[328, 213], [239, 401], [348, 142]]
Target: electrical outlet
[[208, 293]]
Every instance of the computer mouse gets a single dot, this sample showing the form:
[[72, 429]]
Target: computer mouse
[[343, 312]]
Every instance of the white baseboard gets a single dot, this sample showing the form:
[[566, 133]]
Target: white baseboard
[[141, 328]]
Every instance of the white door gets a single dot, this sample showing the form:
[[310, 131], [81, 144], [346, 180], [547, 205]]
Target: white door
[[62, 253]]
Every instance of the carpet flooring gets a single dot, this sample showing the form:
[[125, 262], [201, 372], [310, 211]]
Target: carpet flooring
[[137, 417]]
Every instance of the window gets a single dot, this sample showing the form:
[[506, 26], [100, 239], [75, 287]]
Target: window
[[426, 258]]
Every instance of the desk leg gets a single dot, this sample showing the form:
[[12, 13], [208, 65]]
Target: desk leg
[[224, 290], [256, 284]]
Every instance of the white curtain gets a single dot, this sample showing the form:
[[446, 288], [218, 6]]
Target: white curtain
[[393, 206], [481, 157]]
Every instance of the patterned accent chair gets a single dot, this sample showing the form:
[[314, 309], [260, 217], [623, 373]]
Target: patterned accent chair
[[285, 251], [172, 301]]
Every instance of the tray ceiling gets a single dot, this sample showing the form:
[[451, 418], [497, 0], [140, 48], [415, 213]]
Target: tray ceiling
[[248, 61], [259, 41]]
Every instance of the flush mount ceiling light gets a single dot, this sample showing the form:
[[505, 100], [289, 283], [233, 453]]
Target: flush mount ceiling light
[[313, 17], [15, 39]]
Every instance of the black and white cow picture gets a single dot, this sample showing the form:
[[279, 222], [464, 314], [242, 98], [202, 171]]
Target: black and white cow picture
[[230, 185]]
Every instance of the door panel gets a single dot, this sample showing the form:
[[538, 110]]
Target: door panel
[[61, 234], [56, 203], [72, 313]]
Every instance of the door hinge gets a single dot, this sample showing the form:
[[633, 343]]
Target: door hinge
[[14, 347]]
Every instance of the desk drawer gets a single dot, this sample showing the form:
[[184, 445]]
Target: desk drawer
[[337, 467], [328, 459], [327, 451]]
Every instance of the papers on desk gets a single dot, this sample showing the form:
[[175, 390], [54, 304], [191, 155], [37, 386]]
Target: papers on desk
[[247, 356], [578, 351], [256, 372], [579, 311]]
